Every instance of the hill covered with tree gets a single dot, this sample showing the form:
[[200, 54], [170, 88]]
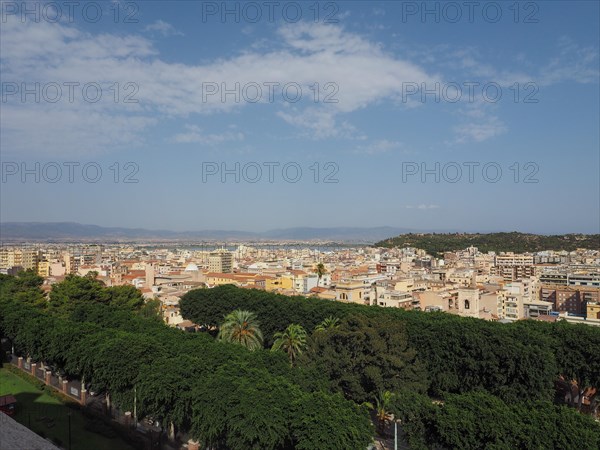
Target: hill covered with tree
[[438, 243]]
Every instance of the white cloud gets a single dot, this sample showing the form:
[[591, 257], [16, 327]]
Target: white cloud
[[378, 147], [307, 53], [196, 135], [363, 72], [65, 133], [574, 63], [319, 123], [479, 131], [164, 28]]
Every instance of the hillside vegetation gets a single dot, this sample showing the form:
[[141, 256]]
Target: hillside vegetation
[[436, 244]]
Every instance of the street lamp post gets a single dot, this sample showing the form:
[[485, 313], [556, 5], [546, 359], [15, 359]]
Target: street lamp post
[[69, 414], [395, 432]]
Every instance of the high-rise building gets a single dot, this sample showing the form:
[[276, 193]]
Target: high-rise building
[[220, 261], [513, 267]]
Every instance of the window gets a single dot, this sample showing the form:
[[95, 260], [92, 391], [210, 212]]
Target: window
[[467, 304]]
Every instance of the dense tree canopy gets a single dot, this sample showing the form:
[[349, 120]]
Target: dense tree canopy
[[222, 394], [488, 384], [364, 356], [478, 420], [25, 287], [438, 243], [75, 290], [513, 361]]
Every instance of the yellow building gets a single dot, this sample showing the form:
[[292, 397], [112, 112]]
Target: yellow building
[[43, 269], [410, 285], [593, 310], [286, 281], [352, 292], [277, 283], [219, 279], [17, 257]]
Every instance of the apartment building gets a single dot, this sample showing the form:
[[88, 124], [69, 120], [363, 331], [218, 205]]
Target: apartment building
[[44, 268], [569, 299], [410, 285], [533, 309], [510, 305], [394, 299], [571, 276], [512, 267], [28, 259], [220, 261], [303, 282]]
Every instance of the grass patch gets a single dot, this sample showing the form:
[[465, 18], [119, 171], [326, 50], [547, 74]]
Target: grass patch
[[48, 415]]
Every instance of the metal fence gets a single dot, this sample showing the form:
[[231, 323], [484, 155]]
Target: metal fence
[[94, 405]]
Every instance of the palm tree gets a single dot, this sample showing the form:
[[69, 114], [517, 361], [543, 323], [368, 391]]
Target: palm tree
[[383, 403], [292, 341], [320, 271], [241, 327], [329, 323]]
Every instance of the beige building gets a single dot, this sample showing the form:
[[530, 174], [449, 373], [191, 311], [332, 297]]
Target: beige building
[[352, 292], [28, 259], [490, 306], [593, 310], [532, 309], [394, 299], [410, 285], [220, 261], [467, 302], [513, 267], [510, 305]]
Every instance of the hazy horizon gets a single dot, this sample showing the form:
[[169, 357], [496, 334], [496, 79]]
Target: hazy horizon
[[311, 227]]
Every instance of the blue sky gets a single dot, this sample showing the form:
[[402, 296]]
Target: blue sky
[[533, 113]]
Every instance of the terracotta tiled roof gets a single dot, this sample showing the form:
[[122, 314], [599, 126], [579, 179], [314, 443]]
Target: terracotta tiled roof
[[318, 289]]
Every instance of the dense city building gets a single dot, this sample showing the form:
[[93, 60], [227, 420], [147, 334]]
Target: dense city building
[[471, 283]]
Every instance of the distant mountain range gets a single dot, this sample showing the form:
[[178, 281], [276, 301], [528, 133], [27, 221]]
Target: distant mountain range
[[71, 231]]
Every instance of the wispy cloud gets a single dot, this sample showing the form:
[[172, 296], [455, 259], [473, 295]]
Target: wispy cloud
[[363, 72], [307, 53], [164, 28], [195, 135], [421, 206], [379, 147]]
